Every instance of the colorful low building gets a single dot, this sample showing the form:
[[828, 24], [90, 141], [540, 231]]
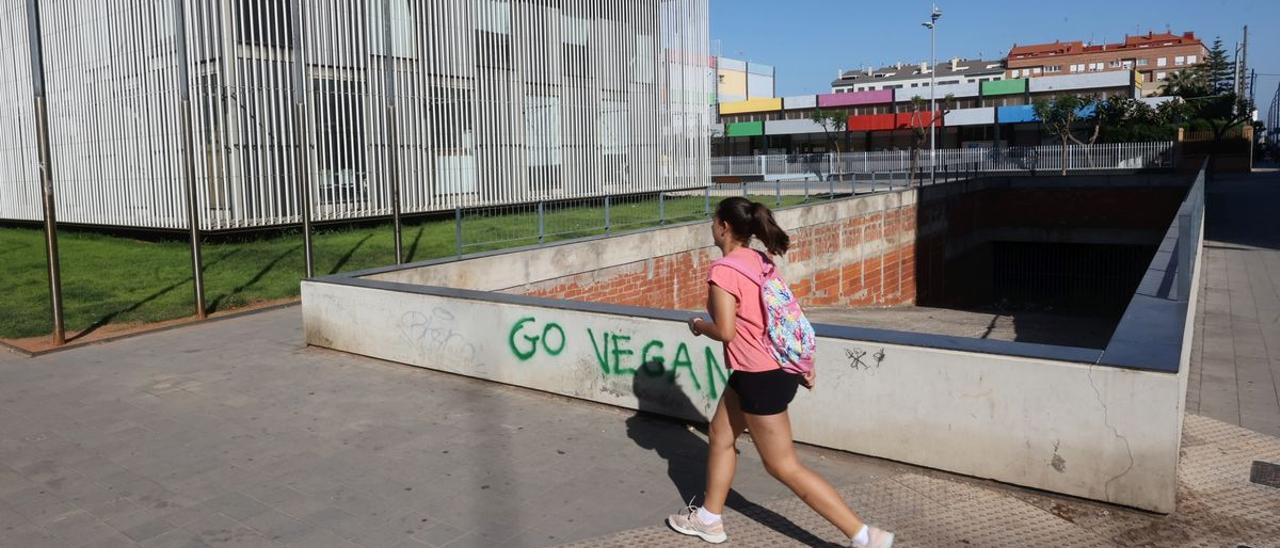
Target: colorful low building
[[966, 114]]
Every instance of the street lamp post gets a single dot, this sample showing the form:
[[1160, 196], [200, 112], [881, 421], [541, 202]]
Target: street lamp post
[[34, 36], [932, 25]]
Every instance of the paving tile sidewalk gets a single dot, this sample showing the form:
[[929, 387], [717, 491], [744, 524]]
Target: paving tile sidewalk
[[232, 434], [1235, 369], [1217, 507]]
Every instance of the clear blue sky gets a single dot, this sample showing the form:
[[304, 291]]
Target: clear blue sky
[[809, 40]]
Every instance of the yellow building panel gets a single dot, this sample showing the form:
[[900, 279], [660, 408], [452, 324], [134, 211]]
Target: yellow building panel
[[752, 105], [731, 83]]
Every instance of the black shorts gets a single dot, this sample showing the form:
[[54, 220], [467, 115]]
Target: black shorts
[[766, 392]]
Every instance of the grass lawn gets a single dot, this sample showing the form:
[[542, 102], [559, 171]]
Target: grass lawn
[[115, 280]]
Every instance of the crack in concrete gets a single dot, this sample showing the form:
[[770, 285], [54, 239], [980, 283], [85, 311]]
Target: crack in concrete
[[1106, 420]]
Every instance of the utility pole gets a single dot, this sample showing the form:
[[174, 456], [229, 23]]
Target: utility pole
[[46, 170], [1242, 67]]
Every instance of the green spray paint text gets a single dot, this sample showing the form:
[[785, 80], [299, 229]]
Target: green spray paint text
[[618, 355]]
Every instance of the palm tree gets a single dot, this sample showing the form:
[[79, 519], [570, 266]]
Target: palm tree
[[1188, 82]]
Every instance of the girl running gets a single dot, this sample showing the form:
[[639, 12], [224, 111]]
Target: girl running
[[759, 390]]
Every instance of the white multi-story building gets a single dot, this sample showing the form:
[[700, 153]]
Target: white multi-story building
[[493, 102], [905, 76]]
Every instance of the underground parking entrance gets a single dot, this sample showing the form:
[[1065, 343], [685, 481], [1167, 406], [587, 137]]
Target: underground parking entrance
[[1037, 328]]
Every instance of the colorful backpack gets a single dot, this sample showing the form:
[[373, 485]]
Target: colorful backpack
[[788, 334]]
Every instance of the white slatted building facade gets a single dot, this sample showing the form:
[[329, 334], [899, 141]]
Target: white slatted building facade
[[495, 102]]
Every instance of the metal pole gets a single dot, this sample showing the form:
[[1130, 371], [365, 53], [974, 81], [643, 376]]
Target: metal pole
[[542, 223], [393, 167], [300, 130], [706, 202], [457, 230], [188, 155], [662, 208], [46, 171], [606, 214], [777, 189]]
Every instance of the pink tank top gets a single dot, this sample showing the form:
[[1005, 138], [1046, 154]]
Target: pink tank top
[[746, 352]]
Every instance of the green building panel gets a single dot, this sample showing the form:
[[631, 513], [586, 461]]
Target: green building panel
[[744, 129], [1004, 87]]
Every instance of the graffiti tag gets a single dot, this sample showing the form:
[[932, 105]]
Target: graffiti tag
[[433, 334], [858, 358]]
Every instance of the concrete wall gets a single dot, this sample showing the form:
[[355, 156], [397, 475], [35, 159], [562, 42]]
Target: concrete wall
[[1090, 431], [1041, 416]]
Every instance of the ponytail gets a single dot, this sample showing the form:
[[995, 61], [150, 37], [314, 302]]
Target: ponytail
[[766, 229], [746, 219]]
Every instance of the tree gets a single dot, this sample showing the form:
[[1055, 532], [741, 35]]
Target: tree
[[1060, 116], [1191, 82], [1212, 76], [834, 124], [1221, 113], [1219, 71], [919, 126], [1127, 120]]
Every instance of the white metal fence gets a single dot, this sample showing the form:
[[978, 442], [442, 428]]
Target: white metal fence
[[1045, 158], [493, 102]]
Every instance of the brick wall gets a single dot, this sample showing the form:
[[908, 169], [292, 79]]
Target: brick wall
[[864, 260]]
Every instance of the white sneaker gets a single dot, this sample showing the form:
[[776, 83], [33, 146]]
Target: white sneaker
[[687, 522], [878, 538]]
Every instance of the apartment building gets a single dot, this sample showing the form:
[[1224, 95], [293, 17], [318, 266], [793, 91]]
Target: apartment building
[[1154, 56], [916, 76]]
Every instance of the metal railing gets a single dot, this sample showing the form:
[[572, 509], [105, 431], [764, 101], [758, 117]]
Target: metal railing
[[1048, 158], [504, 226]]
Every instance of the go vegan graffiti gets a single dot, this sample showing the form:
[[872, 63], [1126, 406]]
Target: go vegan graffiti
[[618, 355]]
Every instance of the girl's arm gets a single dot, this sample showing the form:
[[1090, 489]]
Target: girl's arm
[[724, 312]]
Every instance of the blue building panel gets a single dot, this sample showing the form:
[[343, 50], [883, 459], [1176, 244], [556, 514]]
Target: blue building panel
[[1016, 114]]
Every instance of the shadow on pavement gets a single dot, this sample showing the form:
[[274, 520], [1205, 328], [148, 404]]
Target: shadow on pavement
[[1240, 210], [686, 452]]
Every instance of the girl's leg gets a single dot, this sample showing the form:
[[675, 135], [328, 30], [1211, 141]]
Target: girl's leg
[[722, 457], [772, 436]]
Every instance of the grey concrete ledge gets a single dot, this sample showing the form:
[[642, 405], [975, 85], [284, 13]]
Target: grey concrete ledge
[[1152, 331], [904, 338]]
